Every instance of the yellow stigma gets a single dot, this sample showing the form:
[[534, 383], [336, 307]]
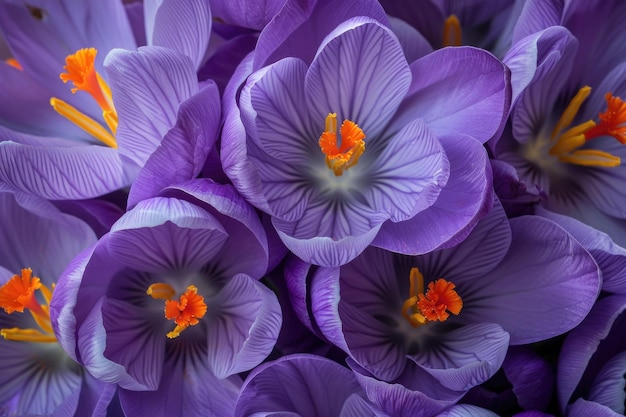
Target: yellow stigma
[[566, 140], [80, 70], [185, 312], [18, 294], [340, 158], [435, 305], [452, 31]]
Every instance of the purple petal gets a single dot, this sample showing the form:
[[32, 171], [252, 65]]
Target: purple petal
[[608, 388], [402, 399], [246, 249], [252, 14], [360, 73], [463, 358], [302, 384], [532, 377], [31, 224], [181, 25], [62, 173], [274, 111], [94, 397], [547, 278], [184, 148], [427, 17], [611, 258], [582, 343], [466, 197], [466, 410], [165, 234], [187, 389], [413, 43], [245, 320], [92, 341], [132, 342], [41, 45], [299, 28], [536, 16], [455, 90], [321, 250], [530, 54], [148, 86], [584, 408]]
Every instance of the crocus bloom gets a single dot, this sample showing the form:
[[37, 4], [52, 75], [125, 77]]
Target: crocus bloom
[[566, 131], [37, 377], [452, 313], [168, 304], [304, 385], [80, 159], [358, 147]]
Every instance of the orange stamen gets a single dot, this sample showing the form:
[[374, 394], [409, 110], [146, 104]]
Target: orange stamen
[[185, 312], [436, 305], [13, 62], [452, 31], [18, 294], [341, 157], [81, 71], [612, 123]]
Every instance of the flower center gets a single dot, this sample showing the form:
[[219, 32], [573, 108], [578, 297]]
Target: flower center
[[452, 31], [566, 140], [435, 305], [186, 311], [340, 157], [80, 70], [18, 294]]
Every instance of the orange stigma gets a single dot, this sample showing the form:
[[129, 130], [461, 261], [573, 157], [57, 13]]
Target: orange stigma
[[452, 31], [18, 294], [566, 140], [13, 62], [435, 305], [185, 312], [81, 71], [341, 157]]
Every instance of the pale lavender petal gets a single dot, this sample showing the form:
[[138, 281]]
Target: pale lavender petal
[[181, 25], [62, 173], [463, 201], [547, 278], [360, 73], [184, 148], [148, 86], [465, 357], [466, 410], [299, 29], [469, 93], [244, 320], [165, 234]]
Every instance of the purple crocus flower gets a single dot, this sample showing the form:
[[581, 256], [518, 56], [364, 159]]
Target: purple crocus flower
[[169, 306], [79, 163], [451, 314], [320, 140], [304, 385], [37, 377], [566, 128]]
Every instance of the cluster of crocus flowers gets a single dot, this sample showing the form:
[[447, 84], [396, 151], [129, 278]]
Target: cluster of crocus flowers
[[317, 208]]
